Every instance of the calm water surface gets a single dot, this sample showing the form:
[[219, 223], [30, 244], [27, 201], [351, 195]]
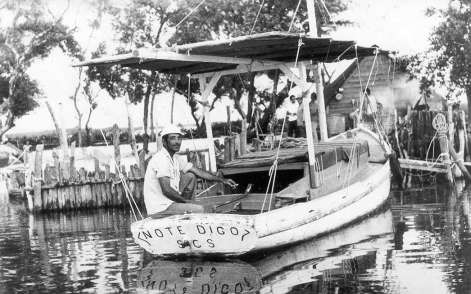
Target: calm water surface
[[420, 243]]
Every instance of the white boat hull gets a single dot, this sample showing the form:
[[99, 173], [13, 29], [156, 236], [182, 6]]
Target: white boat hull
[[233, 234], [341, 208]]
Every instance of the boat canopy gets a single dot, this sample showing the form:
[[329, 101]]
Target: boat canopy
[[263, 49]]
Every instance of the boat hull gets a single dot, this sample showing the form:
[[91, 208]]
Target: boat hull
[[320, 216], [232, 234]]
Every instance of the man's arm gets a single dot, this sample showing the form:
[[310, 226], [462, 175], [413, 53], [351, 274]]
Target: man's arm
[[169, 192], [210, 177]]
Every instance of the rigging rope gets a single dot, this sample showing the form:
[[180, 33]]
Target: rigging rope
[[326, 10], [256, 17], [129, 197], [190, 13], [294, 16], [273, 169]]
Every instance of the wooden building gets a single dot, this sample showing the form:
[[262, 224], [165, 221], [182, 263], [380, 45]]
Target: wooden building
[[390, 86], [376, 74]]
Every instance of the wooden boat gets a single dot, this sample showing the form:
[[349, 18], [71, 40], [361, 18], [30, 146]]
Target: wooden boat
[[351, 190], [299, 193], [346, 252]]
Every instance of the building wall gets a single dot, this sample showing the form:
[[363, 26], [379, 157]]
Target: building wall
[[379, 83], [392, 89]]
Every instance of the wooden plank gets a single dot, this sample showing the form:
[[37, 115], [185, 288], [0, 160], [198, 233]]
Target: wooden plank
[[97, 168], [423, 165], [53, 202], [37, 200], [57, 166], [107, 172], [63, 191], [99, 195], [72, 171], [227, 149], [107, 190], [70, 196], [45, 198], [103, 191], [284, 166], [73, 199], [243, 138], [98, 202], [117, 155]]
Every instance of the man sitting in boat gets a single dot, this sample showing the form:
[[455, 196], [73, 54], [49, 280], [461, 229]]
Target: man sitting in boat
[[169, 183]]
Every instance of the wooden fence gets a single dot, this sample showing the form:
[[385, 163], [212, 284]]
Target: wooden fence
[[62, 186]]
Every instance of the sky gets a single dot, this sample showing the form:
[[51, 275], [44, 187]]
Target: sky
[[398, 25]]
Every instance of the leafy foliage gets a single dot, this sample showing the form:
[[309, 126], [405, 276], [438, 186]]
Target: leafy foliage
[[30, 36], [447, 62], [148, 23]]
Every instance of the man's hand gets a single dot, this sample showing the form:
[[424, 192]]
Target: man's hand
[[230, 183]]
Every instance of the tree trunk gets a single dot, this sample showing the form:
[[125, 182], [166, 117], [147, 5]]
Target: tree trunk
[[250, 97], [271, 110], [9, 123], [74, 97], [79, 134], [87, 129], [132, 137], [62, 139], [236, 97], [468, 96], [173, 98], [146, 100], [152, 124]]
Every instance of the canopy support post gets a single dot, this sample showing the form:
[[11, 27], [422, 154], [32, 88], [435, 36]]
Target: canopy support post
[[206, 90], [301, 80]]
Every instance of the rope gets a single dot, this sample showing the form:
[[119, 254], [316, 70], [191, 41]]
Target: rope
[[190, 13], [256, 17], [326, 10], [127, 191], [350, 164], [273, 169], [361, 84], [337, 59], [294, 16]]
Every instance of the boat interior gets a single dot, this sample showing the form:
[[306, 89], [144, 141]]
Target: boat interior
[[339, 162]]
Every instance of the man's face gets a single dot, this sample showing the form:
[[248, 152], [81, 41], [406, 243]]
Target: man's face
[[293, 99], [174, 141]]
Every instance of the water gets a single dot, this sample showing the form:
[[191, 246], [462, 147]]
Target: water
[[420, 243]]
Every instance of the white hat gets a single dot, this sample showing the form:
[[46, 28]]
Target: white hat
[[171, 129]]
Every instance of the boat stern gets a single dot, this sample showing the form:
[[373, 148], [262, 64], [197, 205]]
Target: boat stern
[[196, 234]]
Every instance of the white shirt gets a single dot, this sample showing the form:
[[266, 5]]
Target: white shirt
[[162, 165], [292, 108], [373, 105]]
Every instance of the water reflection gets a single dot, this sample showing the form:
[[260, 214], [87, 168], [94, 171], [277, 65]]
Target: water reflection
[[198, 276], [421, 243], [66, 253]]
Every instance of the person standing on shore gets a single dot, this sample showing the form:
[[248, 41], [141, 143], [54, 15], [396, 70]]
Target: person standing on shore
[[291, 113]]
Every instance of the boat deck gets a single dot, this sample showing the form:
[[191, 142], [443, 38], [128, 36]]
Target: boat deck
[[293, 155]]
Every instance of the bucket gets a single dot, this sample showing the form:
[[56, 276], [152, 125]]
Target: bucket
[[335, 124]]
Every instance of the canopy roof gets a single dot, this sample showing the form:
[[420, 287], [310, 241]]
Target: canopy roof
[[264, 48]]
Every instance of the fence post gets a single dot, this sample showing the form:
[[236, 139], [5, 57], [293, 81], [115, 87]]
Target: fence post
[[38, 160], [72, 172], [117, 155]]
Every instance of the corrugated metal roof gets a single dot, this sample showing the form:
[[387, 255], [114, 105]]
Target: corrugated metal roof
[[272, 46]]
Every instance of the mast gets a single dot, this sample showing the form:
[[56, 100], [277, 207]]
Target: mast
[[311, 12]]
